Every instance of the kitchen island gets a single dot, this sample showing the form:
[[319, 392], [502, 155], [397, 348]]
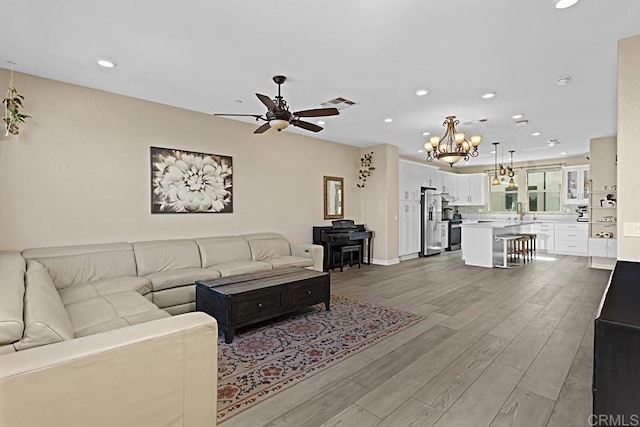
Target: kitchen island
[[479, 245]]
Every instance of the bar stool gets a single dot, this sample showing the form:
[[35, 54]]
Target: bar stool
[[533, 250], [509, 249], [350, 249]]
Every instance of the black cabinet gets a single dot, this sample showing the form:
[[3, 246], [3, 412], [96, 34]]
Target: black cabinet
[[616, 361]]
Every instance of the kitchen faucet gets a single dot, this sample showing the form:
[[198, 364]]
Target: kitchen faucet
[[520, 210]]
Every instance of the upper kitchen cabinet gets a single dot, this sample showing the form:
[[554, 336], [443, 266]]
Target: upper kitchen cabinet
[[409, 180], [428, 177], [576, 185], [449, 183], [471, 189]]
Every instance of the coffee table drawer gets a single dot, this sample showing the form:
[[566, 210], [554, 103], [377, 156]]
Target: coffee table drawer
[[307, 292], [254, 306]]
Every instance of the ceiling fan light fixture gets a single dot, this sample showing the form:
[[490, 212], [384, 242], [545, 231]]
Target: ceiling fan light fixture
[[279, 124]]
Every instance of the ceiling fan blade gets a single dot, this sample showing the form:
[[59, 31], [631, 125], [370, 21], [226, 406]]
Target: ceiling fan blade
[[306, 125], [257, 116], [317, 112], [262, 129], [267, 101]]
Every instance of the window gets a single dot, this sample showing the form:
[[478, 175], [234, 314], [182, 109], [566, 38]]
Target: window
[[543, 190], [503, 198]]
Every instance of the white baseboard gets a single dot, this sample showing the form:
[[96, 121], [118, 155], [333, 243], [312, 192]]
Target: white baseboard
[[385, 261], [409, 256]]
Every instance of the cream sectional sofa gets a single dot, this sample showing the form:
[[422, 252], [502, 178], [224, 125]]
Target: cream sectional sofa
[[87, 335]]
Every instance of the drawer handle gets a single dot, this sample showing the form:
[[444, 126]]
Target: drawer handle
[[572, 235], [309, 292], [259, 305], [571, 246]]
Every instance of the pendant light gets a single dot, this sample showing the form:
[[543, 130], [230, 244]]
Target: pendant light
[[511, 173], [495, 180], [503, 171]]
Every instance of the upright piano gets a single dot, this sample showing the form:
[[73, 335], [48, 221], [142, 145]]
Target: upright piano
[[343, 232]]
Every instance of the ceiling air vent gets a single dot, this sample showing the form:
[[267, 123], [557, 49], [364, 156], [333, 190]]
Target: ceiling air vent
[[339, 103], [475, 122], [553, 142], [522, 122]]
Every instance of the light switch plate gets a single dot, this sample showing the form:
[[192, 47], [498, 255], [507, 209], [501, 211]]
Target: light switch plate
[[632, 229]]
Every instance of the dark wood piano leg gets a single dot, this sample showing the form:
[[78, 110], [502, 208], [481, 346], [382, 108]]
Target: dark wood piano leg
[[369, 250]]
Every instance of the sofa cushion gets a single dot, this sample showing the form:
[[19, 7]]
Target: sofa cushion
[[289, 261], [166, 255], [46, 320], [241, 267], [111, 311], [173, 297], [267, 245], [177, 278], [104, 287], [12, 268], [72, 265], [220, 250]]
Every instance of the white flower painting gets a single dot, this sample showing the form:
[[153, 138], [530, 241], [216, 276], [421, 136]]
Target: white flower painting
[[187, 182]]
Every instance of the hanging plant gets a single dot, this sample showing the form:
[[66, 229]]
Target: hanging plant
[[12, 115], [365, 169]]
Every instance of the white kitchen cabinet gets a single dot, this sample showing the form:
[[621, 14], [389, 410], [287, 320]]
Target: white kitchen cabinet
[[576, 185], [449, 183], [470, 189], [603, 248], [408, 228], [572, 239], [409, 181], [444, 234], [545, 239], [428, 177]]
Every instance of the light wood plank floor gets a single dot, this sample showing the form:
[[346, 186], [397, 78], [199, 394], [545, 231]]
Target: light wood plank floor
[[497, 348]]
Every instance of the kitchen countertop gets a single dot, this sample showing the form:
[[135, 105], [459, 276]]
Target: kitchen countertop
[[497, 224]]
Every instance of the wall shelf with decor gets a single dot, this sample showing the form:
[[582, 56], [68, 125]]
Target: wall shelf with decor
[[603, 204]]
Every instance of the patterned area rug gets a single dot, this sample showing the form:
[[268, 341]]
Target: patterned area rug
[[266, 359]]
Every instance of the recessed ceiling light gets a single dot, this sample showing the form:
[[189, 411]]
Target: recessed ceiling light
[[106, 63], [564, 153], [489, 95], [422, 92], [388, 120], [563, 4], [493, 152], [321, 122], [536, 134], [426, 133], [420, 151], [517, 116]]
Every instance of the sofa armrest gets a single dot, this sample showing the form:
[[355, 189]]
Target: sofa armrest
[[155, 373], [308, 250]]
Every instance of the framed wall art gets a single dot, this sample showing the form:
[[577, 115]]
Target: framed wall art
[[188, 182]]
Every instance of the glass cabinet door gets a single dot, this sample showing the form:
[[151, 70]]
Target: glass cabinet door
[[572, 186], [585, 184]]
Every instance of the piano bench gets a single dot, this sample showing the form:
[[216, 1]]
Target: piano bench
[[350, 249]]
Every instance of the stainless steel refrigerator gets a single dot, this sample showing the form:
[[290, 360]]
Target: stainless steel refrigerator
[[430, 218]]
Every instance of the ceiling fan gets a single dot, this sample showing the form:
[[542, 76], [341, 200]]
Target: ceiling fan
[[278, 115]]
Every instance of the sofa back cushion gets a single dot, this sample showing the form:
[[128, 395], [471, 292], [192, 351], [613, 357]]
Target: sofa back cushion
[[164, 255], [46, 320], [12, 268], [72, 265], [220, 250], [267, 245]]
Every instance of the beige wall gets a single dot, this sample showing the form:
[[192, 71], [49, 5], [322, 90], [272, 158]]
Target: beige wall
[[80, 172], [628, 145], [380, 203]]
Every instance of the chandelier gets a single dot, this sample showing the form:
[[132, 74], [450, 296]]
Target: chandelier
[[453, 146]]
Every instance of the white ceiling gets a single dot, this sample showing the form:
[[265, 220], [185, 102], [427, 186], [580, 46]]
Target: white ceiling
[[205, 55]]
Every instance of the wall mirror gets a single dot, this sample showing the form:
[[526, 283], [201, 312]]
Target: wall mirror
[[333, 197]]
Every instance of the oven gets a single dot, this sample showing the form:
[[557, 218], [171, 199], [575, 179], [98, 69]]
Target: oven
[[455, 235]]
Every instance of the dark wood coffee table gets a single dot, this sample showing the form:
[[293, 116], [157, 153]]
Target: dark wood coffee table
[[245, 299]]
